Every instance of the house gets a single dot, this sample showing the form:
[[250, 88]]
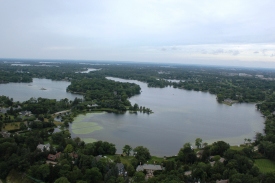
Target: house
[[188, 172], [5, 134], [222, 181], [43, 147], [73, 155], [199, 153], [54, 157], [150, 168], [4, 110], [213, 162], [92, 106], [120, 168], [98, 157], [25, 113]]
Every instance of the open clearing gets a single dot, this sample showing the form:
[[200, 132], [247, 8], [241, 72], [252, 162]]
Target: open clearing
[[265, 165]]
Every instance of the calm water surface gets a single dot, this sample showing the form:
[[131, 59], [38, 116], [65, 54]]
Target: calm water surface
[[24, 91], [179, 116]]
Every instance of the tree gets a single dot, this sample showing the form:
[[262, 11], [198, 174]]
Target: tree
[[130, 170], [61, 180], [198, 142], [23, 126], [127, 150], [142, 154], [139, 177], [187, 154], [93, 175], [218, 148], [69, 148]]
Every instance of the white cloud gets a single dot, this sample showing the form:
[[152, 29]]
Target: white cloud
[[139, 30]]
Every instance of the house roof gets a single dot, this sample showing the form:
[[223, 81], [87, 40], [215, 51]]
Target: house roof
[[222, 181], [74, 155], [120, 166], [148, 167], [42, 146], [188, 173], [98, 157], [53, 157], [5, 134]]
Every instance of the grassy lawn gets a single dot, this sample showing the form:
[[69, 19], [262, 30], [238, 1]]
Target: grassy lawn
[[16, 177], [155, 159], [11, 126], [124, 159], [265, 165], [57, 123], [237, 148]]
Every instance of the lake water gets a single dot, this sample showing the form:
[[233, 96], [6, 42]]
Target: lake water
[[24, 91], [89, 70], [180, 116]]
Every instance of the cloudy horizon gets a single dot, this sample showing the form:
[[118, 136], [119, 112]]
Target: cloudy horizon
[[234, 33]]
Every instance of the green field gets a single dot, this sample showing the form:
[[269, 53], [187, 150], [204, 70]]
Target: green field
[[237, 148], [265, 165], [11, 126]]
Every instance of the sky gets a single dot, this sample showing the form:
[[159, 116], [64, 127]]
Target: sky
[[208, 32]]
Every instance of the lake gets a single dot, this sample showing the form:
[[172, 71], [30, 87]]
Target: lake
[[24, 91], [180, 116]]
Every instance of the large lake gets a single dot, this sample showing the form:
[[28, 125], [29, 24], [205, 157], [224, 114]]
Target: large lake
[[179, 117], [24, 91]]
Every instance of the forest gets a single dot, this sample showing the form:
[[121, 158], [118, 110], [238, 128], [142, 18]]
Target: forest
[[80, 162]]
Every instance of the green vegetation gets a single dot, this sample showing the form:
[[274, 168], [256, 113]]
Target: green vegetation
[[80, 160], [265, 165], [17, 177]]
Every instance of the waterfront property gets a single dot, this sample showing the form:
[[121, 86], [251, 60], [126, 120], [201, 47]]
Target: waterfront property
[[149, 168]]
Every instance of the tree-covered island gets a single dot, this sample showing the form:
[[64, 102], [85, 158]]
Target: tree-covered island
[[30, 151]]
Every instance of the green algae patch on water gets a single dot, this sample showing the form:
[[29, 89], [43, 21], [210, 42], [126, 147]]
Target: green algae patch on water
[[82, 125]]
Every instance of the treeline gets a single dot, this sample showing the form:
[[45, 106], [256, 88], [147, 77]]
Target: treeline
[[242, 85]]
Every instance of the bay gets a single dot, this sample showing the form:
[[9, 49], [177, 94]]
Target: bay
[[44, 88]]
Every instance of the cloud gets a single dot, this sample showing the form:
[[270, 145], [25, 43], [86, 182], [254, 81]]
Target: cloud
[[234, 52], [139, 30], [218, 51]]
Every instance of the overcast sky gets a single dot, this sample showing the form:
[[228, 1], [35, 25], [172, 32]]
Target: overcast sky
[[223, 32]]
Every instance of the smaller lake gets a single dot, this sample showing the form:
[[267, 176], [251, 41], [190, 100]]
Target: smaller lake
[[89, 70], [24, 91]]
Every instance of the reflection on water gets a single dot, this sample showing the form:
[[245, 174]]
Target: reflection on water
[[179, 116]]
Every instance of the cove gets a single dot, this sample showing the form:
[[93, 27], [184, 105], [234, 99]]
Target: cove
[[180, 116], [44, 88]]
